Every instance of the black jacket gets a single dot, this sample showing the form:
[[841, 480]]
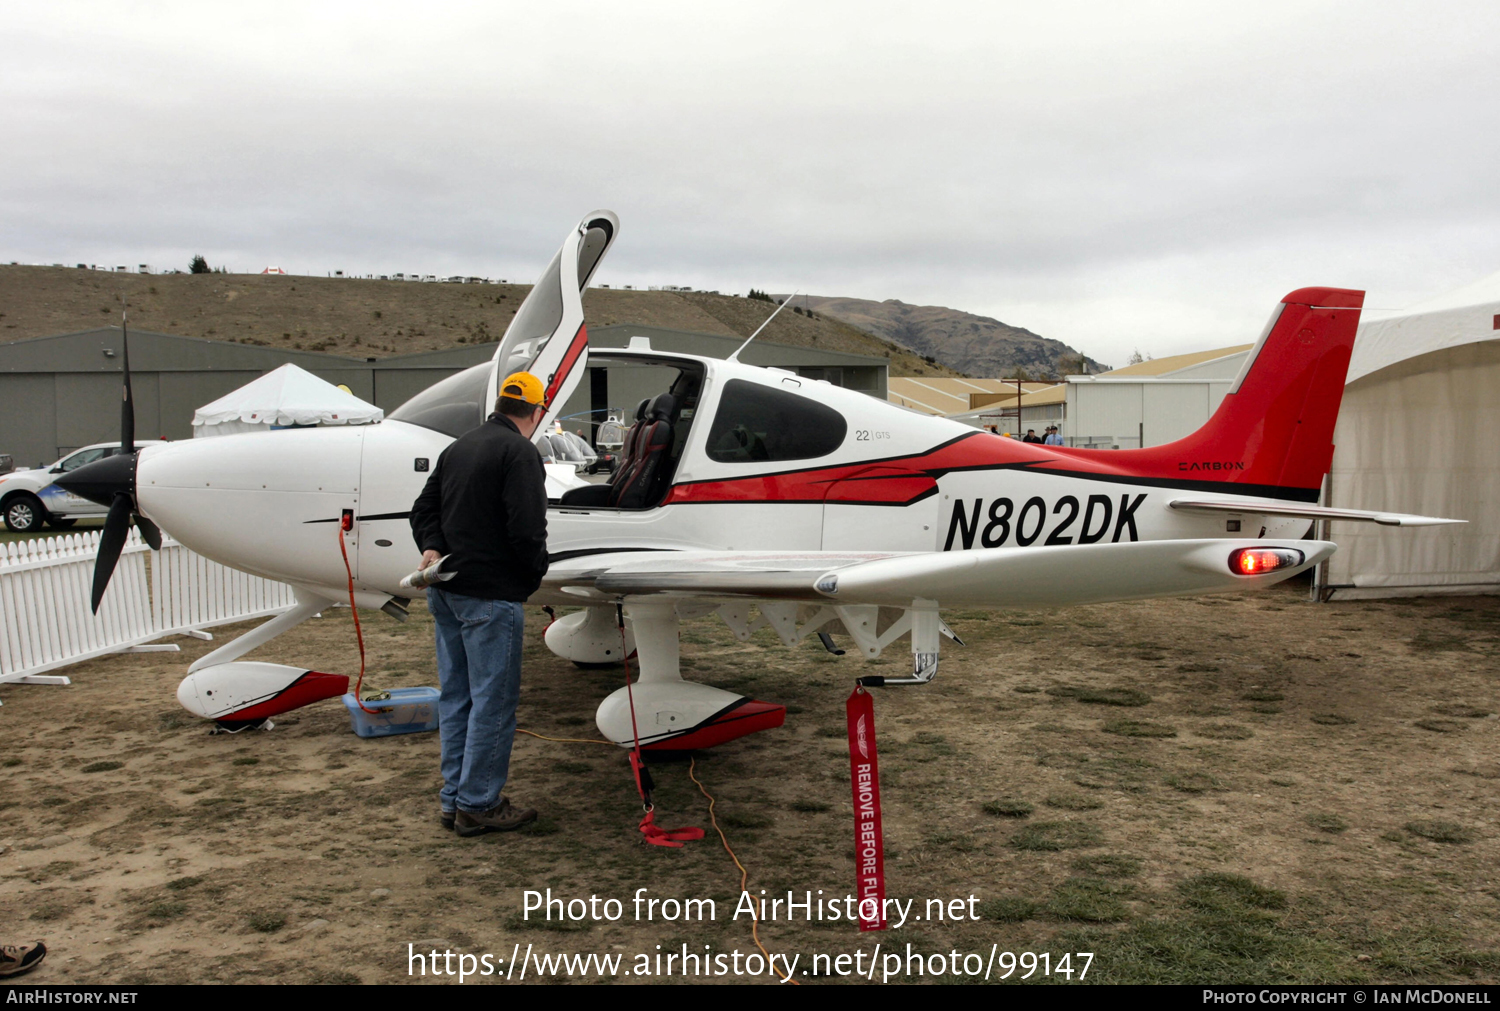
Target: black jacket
[[486, 505]]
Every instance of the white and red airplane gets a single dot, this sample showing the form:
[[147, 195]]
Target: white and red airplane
[[766, 498]]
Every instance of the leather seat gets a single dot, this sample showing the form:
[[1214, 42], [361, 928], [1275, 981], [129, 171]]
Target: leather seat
[[639, 480], [640, 484]]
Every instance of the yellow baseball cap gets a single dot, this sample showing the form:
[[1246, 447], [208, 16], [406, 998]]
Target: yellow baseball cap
[[523, 386]]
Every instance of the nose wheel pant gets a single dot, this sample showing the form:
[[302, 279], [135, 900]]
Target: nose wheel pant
[[479, 668]]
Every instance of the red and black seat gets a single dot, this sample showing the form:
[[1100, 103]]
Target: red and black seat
[[640, 479]]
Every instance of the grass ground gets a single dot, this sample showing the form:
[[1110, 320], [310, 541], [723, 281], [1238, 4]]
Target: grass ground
[[1221, 789]]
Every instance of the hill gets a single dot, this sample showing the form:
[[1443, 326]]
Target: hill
[[977, 345], [380, 318]]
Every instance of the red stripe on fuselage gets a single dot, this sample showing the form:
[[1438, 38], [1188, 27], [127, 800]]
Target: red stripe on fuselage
[[896, 481], [902, 480]]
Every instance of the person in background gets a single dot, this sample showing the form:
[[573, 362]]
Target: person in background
[[485, 506], [1054, 437], [1030, 436]]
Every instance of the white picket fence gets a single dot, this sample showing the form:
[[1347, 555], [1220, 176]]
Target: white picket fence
[[45, 585]]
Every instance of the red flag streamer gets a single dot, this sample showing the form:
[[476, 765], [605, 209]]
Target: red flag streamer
[[869, 842]]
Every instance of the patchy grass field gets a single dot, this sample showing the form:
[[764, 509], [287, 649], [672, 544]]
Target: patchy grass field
[[1202, 790], [87, 525]]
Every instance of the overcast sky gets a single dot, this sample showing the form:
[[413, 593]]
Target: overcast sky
[[1117, 176]]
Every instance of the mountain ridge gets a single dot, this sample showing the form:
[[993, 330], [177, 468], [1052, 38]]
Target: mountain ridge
[[981, 346], [370, 318]]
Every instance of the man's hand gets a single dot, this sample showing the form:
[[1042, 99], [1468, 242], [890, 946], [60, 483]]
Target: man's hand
[[428, 557]]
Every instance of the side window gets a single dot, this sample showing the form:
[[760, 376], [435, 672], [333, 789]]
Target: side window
[[758, 423], [79, 459]]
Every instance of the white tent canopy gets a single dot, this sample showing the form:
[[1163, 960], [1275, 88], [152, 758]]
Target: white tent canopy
[[281, 398], [1465, 315], [1419, 432]]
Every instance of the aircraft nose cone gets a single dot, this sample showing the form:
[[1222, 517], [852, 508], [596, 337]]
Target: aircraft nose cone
[[101, 480]]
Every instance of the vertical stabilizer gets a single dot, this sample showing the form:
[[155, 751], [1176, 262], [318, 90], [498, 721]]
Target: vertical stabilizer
[[1274, 430]]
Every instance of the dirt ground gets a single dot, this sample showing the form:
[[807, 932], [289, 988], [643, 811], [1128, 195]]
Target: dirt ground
[[1243, 788]]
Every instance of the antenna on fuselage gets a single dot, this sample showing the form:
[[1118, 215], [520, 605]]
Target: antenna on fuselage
[[736, 356]]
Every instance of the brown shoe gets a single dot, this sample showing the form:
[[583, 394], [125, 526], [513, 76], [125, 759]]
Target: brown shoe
[[500, 819], [16, 959], [445, 818]]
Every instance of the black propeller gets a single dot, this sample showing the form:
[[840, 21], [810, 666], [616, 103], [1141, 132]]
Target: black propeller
[[111, 482]]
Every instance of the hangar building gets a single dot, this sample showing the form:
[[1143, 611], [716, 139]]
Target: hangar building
[[61, 392], [1149, 403]]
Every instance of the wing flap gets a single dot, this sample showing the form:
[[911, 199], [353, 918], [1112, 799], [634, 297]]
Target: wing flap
[[1268, 507], [768, 575], [768, 585]]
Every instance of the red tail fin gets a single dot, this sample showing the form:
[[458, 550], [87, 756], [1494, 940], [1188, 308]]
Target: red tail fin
[[1275, 428]]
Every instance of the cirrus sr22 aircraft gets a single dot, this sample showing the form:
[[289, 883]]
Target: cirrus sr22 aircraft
[[760, 496]]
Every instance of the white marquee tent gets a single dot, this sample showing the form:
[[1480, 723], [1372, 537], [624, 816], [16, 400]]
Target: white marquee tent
[[1419, 432], [280, 399]]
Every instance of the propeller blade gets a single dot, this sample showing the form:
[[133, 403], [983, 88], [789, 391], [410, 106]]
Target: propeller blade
[[127, 405], [111, 543], [149, 530]]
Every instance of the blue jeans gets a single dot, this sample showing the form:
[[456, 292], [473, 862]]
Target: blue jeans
[[479, 668]]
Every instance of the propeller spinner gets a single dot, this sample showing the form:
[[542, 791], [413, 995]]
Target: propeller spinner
[[111, 482]]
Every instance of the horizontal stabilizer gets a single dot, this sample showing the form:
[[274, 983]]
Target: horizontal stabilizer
[[1271, 507]]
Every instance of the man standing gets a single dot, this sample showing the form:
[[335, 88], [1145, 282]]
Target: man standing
[[485, 506]]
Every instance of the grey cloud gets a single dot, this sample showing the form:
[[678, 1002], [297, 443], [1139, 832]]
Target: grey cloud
[[1109, 175]]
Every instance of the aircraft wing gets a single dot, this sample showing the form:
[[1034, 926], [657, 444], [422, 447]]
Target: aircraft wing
[[993, 577], [1272, 507]]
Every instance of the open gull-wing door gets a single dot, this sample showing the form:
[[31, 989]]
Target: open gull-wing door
[[547, 337]]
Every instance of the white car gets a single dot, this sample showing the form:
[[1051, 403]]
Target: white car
[[28, 498]]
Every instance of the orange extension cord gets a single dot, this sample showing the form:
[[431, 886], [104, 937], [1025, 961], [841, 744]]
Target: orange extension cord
[[744, 874]]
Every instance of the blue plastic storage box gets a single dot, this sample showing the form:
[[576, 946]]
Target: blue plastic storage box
[[407, 711]]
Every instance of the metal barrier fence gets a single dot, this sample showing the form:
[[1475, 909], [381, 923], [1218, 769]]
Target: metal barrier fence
[[45, 621]]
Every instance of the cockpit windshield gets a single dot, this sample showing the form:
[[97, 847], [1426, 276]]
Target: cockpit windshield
[[452, 406]]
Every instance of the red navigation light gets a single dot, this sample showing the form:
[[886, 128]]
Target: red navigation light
[[1258, 561]]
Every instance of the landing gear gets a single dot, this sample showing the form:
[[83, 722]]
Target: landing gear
[[238, 694], [308, 604], [670, 714]]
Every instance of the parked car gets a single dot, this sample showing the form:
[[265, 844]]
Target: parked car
[[28, 498], [605, 464]]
